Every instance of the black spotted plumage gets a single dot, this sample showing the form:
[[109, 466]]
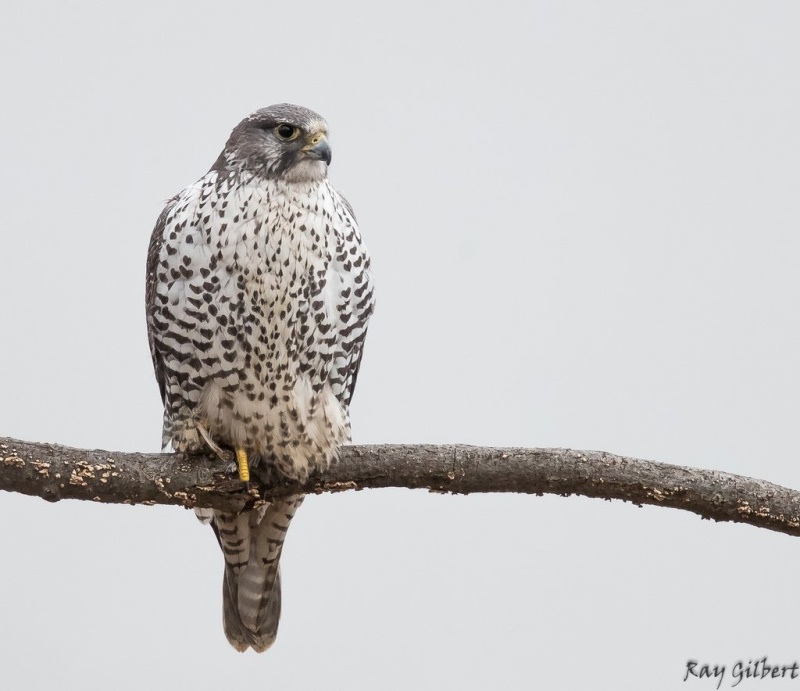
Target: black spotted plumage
[[258, 295]]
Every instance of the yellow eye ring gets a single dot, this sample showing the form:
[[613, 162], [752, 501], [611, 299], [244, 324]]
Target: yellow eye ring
[[287, 132]]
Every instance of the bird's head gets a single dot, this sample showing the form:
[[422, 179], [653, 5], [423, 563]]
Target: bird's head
[[283, 141]]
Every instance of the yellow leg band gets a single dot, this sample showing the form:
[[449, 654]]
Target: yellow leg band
[[241, 461]]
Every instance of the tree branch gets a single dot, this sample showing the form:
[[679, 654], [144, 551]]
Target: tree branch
[[59, 472]]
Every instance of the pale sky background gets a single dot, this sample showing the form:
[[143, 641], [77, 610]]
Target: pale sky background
[[583, 218]]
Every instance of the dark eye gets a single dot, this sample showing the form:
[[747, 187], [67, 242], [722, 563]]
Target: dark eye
[[287, 132]]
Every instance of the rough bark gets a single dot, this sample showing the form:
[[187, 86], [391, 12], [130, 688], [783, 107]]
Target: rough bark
[[58, 472]]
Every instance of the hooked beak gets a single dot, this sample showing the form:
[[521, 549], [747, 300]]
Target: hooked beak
[[318, 148]]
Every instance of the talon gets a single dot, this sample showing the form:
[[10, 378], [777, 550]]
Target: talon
[[209, 441], [241, 461]]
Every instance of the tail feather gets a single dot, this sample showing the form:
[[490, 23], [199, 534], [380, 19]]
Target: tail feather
[[233, 532], [251, 543], [231, 623]]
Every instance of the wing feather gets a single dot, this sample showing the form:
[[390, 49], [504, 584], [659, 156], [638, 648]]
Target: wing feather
[[153, 257]]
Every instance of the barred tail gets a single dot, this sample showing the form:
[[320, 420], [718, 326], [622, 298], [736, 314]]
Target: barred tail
[[251, 590]]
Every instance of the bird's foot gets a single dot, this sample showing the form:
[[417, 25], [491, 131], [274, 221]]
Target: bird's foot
[[244, 468], [216, 448]]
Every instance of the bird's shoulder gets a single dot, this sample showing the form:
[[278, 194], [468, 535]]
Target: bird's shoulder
[[346, 205]]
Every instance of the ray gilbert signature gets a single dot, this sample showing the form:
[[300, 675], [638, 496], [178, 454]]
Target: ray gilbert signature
[[733, 675]]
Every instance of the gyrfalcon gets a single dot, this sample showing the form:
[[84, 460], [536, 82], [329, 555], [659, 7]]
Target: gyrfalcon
[[259, 290]]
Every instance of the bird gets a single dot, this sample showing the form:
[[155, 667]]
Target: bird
[[258, 293]]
